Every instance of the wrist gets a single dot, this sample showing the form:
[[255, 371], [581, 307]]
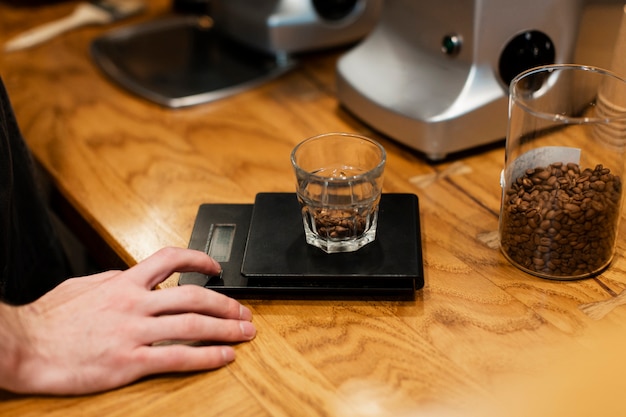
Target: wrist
[[12, 349]]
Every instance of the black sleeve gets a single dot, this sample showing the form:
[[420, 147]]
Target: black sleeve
[[31, 257]]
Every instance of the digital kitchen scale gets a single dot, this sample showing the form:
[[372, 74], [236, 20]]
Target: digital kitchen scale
[[263, 252]]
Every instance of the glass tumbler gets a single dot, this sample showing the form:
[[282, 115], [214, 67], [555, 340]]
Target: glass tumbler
[[563, 174], [339, 179]]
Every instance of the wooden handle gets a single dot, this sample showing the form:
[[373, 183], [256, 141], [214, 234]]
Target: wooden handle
[[84, 14]]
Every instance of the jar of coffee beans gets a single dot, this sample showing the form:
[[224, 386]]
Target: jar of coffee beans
[[563, 170], [559, 221]]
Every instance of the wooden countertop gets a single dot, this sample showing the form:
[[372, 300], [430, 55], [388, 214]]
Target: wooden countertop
[[480, 333]]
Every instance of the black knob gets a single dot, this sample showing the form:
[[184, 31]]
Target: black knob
[[451, 44], [334, 9], [527, 50]]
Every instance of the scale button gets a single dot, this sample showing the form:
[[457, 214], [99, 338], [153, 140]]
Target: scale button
[[215, 279]]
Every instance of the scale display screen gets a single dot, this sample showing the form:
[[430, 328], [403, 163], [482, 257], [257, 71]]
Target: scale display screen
[[220, 243]]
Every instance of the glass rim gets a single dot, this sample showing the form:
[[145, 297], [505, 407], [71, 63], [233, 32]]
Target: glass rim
[[565, 119], [379, 166]]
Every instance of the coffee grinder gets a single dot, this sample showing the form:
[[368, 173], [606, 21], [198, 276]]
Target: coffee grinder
[[435, 75]]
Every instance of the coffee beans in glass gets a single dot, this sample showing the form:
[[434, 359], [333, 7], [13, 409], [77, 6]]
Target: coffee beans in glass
[[564, 167], [339, 179]]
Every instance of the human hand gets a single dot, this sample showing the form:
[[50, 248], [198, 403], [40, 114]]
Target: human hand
[[96, 333]]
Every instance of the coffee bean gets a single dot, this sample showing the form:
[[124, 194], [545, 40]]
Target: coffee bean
[[340, 224], [543, 174], [561, 221]]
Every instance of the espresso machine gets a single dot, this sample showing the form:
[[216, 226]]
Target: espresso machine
[[207, 50], [296, 26], [435, 75]]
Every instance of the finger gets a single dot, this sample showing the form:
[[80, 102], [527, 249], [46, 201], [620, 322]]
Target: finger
[[196, 327], [192, 298], [157, 267], [181, 358]]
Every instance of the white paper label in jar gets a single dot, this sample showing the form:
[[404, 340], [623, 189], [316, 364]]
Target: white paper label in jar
[[540, 158]]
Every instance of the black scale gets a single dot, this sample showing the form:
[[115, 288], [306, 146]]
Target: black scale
[[263, 252]]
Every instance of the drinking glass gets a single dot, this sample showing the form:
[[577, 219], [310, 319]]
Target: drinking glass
[[339, 179]]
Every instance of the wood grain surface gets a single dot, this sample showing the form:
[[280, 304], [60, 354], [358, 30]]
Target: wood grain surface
[[477, 336]]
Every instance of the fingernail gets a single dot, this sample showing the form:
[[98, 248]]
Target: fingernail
[[228, 354], [247, 329], [216, 265], [244, 313]]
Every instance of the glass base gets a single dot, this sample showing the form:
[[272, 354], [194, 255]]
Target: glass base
[[584, 275], [329, 245]]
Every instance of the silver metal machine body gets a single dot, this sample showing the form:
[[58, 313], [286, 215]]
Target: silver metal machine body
[[434, 75], [294, 26]]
